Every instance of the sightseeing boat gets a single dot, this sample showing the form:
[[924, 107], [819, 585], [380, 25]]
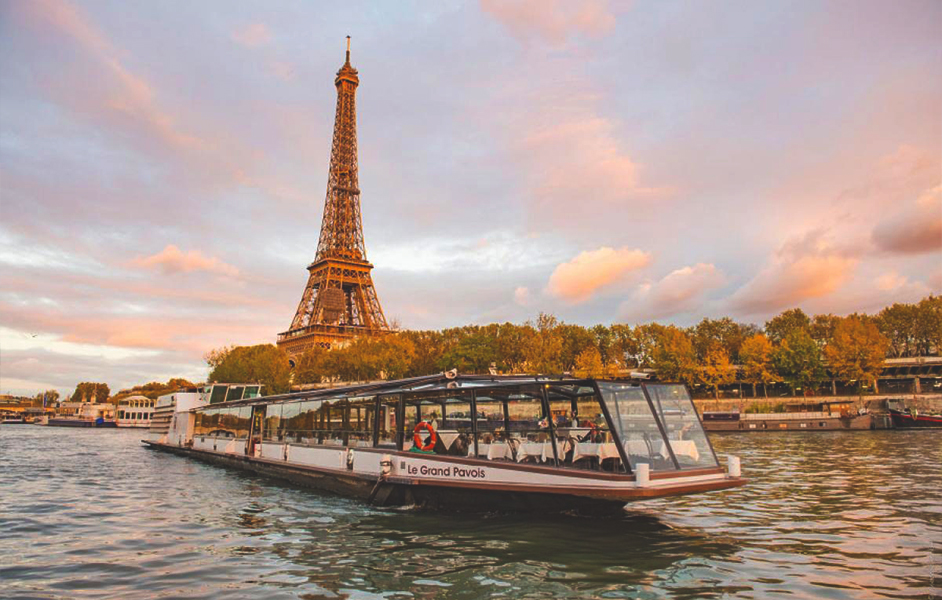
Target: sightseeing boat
[[478, 442]]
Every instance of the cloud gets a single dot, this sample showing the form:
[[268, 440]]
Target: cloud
[[678, 292], [551, 21], [915, 230], [522, 296], [807, 267], [579, 279], [252, 35], [578, 156], [172, 260]]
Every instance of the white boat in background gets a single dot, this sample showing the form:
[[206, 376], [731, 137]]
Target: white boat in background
[[135, 411]]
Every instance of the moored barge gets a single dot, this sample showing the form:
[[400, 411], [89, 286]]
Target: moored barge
[[464, 442]]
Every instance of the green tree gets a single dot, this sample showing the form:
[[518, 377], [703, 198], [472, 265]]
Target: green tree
[[265, 364], [822, 328], [91, 392], [780, 327], [857, 350], [928, 330], [674, 358], [727, 333], [575, 340], [797, 361], [755, 357], [311, 367], [645, 339], [899, 323]]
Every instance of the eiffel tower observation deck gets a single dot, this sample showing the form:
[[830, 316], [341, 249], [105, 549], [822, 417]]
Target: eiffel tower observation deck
[[339, 301]]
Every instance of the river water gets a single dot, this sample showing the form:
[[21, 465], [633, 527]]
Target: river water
[[94, 514]]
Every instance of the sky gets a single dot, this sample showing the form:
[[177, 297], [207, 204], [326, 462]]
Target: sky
[[163, 167]]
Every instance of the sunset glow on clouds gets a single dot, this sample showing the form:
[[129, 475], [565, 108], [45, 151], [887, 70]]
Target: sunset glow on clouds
[[163, 167]]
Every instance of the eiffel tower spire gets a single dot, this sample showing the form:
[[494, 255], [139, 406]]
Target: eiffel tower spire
[[339, 301]]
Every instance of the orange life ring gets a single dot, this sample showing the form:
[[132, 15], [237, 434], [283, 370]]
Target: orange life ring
[[417, 438]]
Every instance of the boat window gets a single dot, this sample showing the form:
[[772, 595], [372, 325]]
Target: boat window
[[636, 426], [455, 433], [271, 427], [360, 421], [421, 409], [528, 428], [251, 391], [388, 411], [583, 438], [684, 432], [234, 393], [218, 394], [492, 429], [293, 422]]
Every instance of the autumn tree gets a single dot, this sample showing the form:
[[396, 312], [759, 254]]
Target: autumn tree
[[797, 361], [674, 358], [716, 368], [755, 358], [265, 364], [543, 353], [589, 364], [857, 350], [780, 327]]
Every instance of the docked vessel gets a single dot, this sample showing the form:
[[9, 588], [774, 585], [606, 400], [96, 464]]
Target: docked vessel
[[798, 416], [84, 414], [462, 442], [906, 418], [135, 411]]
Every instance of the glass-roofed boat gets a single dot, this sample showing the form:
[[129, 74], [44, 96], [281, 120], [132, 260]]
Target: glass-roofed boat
[[466, 442]]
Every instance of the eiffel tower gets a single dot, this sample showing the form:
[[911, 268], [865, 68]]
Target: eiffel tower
[[339, 301]]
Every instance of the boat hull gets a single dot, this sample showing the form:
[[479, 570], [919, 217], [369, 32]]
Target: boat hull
[[461, 495], [778, 422], [80, 423], [903, 420]]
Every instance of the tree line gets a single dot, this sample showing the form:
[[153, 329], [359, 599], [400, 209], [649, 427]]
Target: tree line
[[792, 347]]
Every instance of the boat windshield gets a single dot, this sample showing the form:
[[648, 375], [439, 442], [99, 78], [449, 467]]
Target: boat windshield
[[638, 427], [674, 407]]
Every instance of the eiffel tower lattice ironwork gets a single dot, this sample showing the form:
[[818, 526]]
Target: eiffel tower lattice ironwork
[[339, 301]]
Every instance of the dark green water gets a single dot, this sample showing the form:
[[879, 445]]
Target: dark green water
[[93, 514]]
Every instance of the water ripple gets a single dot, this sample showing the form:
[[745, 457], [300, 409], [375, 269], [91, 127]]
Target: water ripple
[[93, 514]]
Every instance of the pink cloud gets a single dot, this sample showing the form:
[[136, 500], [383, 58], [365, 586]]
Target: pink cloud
[[551, 21], [522, 296], [807, 267], [172, 260], [252, 35], [680, 291], [915, 230], [579, 279]]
